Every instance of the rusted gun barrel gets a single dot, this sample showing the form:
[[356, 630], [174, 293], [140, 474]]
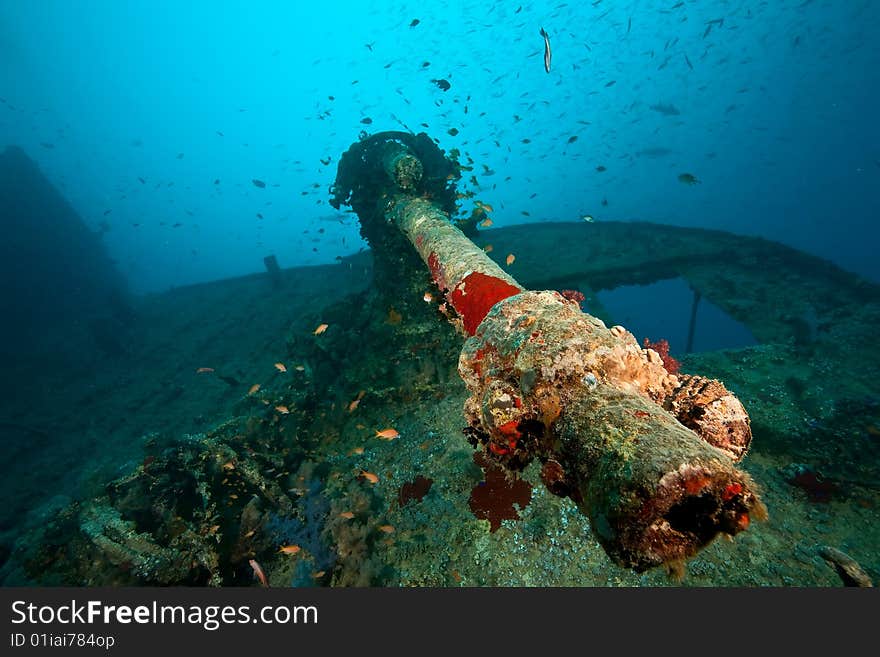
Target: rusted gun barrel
[[646, 454]]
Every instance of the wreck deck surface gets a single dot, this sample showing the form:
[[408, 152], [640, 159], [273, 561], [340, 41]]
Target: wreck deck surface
[[809, 385]]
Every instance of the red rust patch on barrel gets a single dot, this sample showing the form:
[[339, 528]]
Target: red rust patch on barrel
[[475, 296], [437, 271]]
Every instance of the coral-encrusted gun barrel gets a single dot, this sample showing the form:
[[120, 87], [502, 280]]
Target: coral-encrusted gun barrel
[[647, 455], [552, 382]]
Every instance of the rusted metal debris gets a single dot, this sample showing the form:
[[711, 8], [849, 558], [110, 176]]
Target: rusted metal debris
[[647, 455]]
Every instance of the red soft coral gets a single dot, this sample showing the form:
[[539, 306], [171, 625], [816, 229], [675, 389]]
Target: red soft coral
[[662, 347], [573, 295]]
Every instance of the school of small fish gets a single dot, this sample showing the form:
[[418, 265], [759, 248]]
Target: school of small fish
[[601, 83]]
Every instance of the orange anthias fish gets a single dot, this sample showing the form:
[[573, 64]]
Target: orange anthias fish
[[387, 434], [281, 367], [258, 572], [321, 328], [289, 549], [254, 388], [485, 223], [357, 400], [204, 370], [428, 298], [282, 409], [347, 515], [369, 476], [510, 259]]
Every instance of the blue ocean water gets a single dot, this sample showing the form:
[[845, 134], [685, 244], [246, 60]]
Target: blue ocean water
[[154, 118]]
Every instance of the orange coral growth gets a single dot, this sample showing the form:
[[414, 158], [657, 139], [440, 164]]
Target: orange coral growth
[[549, 407], [694, 485], [731, 491], [509, 429], [498, 449]]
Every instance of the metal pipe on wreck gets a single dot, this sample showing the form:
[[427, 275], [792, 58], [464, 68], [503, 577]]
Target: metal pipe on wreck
[[646, 454]]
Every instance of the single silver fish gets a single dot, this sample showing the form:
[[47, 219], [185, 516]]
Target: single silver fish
[[548, 54]]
